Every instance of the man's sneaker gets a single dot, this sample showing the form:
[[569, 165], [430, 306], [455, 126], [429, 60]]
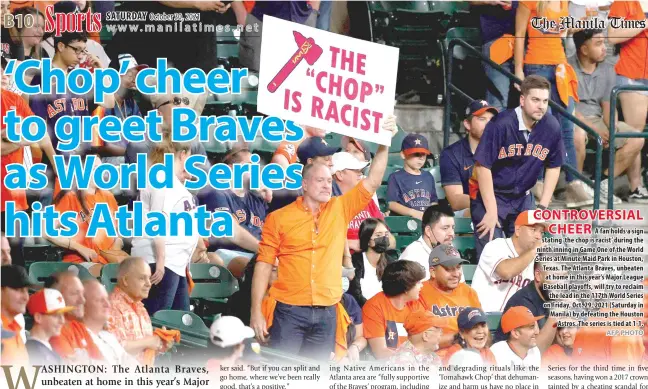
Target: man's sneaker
[[639, 195], [576, 196], [604, 194]]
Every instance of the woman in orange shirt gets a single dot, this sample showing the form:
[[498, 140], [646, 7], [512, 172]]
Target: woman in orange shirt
[[632, 68], [473, 334], [545, 56], [83, 249]]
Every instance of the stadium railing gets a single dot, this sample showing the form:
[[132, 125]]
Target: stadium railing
[[450, 88], [613, 134]]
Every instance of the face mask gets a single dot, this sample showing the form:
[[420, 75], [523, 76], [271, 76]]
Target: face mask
[[381, 244]]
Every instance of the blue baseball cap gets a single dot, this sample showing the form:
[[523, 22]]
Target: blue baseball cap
[[314, 147], [470, 317], [478, 107], [415, 143]]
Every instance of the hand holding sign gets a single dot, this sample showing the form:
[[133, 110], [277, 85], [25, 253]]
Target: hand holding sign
[[348, 86]]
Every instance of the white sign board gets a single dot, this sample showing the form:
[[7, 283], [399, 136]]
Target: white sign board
[[326, 80]]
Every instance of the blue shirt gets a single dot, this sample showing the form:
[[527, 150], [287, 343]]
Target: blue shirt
[[292, 11], [353, 309], [514, 162], [249, 210], [413, 191], [525, 297], [457, 163], [495, 21]]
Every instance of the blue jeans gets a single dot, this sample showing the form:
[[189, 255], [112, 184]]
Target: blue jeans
[[324, 17], [567, 126], [499, 85], [304, 330], [508, 210], [171, 293]]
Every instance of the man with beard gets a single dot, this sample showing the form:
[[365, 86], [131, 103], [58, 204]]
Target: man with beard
[[515, 148], [533, 296]]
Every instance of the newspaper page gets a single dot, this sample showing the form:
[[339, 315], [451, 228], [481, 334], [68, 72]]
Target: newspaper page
[[361, 195]]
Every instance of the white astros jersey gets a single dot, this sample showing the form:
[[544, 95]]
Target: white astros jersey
[[178, 249], [494, 292]]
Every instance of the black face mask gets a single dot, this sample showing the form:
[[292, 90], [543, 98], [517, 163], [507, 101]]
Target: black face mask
[[381, 244]]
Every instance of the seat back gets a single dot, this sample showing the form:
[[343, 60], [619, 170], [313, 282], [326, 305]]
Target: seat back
[[468, 272], [403, 225], [109, 276], [40, 271], [212, 281]]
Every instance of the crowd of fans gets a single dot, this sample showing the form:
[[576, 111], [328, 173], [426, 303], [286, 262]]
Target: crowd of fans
[[317, 273]]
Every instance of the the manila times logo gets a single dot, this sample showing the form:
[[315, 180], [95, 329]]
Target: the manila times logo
[[21, 380]]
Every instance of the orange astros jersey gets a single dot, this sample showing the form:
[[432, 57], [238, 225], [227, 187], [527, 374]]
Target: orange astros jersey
[[448, 304], [381, 319], [13, 102]]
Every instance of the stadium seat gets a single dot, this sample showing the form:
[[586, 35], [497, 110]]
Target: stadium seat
[[402, 241], [40, 252], [436, 173], [109, 276], [39, 271], [212, 282], [466, 246], [394, 159], [388, 172], [396, 141], [403, 225], [193, 331], [493, 320], [463, 225], [381, 193], [468, 272], [227, 44]]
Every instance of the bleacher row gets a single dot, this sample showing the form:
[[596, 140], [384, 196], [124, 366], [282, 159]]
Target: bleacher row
[[213, 285]]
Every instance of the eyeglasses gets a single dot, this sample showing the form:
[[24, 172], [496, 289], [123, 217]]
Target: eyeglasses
[[78, 50], [176, 101]]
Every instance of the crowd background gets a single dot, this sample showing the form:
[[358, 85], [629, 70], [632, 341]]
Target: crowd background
[[418, 285]]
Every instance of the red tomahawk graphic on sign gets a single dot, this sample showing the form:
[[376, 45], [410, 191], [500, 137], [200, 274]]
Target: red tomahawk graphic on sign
[[307, 50]]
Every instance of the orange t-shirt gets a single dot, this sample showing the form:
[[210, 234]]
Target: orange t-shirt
[[10, 102], [70, 202], [450, 304], [555, 355], [633, 58], [14, 351], [309, 248], [487, 355], [75, 339], [381, 319], [545, 47], [592, 345], [288, 150]]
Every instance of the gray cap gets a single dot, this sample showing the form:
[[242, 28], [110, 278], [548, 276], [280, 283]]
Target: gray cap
[[445, 255]]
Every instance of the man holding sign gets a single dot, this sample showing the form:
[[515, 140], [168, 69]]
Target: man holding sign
[[308, 238]]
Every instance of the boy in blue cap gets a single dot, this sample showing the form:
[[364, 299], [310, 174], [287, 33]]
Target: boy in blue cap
[[411, 190]]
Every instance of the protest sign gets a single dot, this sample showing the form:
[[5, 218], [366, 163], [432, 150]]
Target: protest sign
[[326, 80]]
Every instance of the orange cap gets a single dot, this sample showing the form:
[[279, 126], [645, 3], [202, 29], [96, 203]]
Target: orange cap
[[526, 218], [47, 301], [517, 317], [421, 321]]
